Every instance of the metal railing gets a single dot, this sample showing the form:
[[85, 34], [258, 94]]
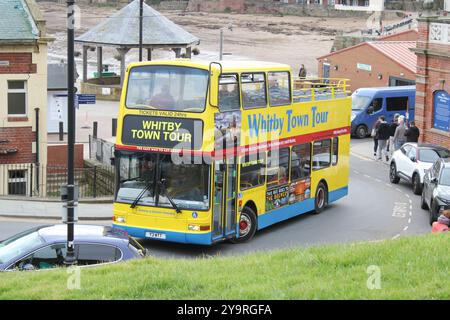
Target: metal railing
[[101, 150], [313, 89], [32, 180]]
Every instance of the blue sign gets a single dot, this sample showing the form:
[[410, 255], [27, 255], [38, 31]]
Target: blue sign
[[441, 111], [86, 98]]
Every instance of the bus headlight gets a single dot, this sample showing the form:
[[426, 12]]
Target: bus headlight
[[119, 219]]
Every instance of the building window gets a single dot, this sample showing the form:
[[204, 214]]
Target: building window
[[17, 98], [321, 154], [253, 90], [441, 110], [17, 182]]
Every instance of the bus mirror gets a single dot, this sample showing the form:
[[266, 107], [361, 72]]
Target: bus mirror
[[370, 110], [214, 75]]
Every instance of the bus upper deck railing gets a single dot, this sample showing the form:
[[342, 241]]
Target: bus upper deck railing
[[313, 89]]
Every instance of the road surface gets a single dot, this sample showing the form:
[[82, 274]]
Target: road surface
[[374, 210]]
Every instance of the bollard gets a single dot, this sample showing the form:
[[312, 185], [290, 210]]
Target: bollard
[[114, 127], [61, 131], [94, 133]]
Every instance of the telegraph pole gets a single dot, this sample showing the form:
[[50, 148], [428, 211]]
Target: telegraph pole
[[71, 201], [141, 18]]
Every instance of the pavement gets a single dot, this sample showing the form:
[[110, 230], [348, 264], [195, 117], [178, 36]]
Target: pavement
[[52, 210]]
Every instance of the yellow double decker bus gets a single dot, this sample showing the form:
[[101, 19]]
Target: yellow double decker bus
[[208, 152]]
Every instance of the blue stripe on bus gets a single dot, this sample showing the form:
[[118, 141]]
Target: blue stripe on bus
[[295, 209], [171, 236]]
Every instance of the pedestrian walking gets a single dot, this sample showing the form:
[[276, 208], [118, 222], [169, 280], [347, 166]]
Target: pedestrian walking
[[392, 126], [383, 137], [412, 133], [302, 72], [374, 135], [399, 135]]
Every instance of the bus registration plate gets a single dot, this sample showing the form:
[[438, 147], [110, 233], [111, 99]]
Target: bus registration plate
[[155, 235]]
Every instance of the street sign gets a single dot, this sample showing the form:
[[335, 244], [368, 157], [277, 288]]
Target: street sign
[[441, 110], [86, 98]]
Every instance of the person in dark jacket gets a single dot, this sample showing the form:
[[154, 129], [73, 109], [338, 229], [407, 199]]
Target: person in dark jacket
[[302, 72], [383, 137], [374, 135], [412, 133]]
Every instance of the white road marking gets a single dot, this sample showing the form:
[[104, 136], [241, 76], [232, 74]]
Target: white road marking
[[377, 180], [405, 228], [400, 210], [409, 220], [399, 190], [388, 185], [367, 176], [396, 236]]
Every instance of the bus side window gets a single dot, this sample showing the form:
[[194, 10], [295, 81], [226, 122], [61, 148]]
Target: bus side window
[[229, 98], [279, 88], [301, 161], [334, 159], [321, 154], [252, 171], [277, 167], [253, 90]]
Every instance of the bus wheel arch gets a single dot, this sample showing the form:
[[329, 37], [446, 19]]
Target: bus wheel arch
[[321, 197], [248, 223]]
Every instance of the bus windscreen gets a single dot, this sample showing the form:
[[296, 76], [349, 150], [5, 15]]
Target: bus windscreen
[[169, 88]]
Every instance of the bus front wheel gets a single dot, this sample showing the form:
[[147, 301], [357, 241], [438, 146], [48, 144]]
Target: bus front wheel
[[247, 226], [321, 199]]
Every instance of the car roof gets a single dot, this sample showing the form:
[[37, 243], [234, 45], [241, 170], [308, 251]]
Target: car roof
[[58, 232], [427, 146], [385, 89]]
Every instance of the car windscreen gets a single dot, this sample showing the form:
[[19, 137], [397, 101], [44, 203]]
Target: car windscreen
[[359, 103], [428, 155], [443, 153], [445, 177], [18, 245]]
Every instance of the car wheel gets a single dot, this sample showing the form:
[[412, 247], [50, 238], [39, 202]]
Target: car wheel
[[393, 177], [417, 186], [423, 203], [247, 226], [361, 131], [321, 199]]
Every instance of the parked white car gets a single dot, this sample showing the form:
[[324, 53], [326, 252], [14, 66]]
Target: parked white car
[[411, 161]]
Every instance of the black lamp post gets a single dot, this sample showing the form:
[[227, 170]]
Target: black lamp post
[[141, 18], [70, 257]]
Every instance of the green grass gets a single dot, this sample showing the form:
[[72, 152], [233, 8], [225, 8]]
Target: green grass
[[411, 268]]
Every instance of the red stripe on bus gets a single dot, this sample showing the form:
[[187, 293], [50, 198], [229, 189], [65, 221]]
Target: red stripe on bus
[[243, 150]]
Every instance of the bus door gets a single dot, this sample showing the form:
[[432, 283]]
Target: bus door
[[224, 210]]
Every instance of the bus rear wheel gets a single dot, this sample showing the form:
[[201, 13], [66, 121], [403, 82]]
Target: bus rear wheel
[[321, 199], [247, 226]]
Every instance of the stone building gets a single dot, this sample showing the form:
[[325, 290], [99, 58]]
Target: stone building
[[23, 96]]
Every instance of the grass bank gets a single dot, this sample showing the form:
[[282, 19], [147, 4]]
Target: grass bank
[[410, 268]]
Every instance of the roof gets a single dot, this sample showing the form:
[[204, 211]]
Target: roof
[[397, 51], [81, 232], [122, 29], [16, 22], [57, 76], [387, 89], [405, 34]]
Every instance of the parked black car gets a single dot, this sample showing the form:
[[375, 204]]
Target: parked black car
[[436, 188], [44, 247]]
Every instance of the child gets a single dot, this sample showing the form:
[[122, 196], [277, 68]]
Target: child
[[441, 225]]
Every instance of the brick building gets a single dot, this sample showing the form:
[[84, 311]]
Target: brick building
[[23, 95], [432, 113], [372, 64]]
